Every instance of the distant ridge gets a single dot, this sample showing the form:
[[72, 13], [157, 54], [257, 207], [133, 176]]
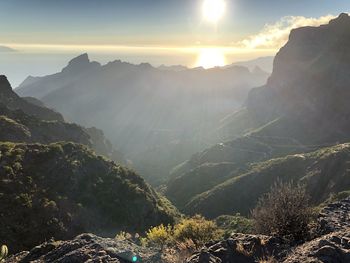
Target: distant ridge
[[158, 116]]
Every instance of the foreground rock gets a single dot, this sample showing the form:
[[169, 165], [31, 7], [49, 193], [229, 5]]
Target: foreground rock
[[241, 248], [335, 216], [87, 248], [332, 247]]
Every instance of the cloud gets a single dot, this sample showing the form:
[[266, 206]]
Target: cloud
[[273, 36]]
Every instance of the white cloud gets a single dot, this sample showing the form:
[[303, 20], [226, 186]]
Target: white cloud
[[276, 35]]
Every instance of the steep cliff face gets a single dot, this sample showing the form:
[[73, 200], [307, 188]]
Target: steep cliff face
[[310, 79]]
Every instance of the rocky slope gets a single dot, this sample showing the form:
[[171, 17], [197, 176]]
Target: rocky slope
[[63, 189], [11, 100], [158, 117], [28, 120], [302, 108], [332, 245], [87, 248]]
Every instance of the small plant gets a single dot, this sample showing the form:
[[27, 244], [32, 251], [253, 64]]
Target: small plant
[[123, 236], [159, 235], [3, 252], [197, 229], [242, 250], [284, 212]]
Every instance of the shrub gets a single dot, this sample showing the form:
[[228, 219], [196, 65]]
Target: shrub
[[197, 229], [234, 224], [159, 235], [284, 212], [123, 236], [189, 232]]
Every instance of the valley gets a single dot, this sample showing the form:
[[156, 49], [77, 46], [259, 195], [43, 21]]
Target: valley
[[123, 162]]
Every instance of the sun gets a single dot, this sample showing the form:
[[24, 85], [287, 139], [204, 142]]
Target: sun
[[213, 10], [210, 58]]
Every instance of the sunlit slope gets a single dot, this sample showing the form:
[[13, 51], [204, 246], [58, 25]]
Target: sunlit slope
[[324, 172]]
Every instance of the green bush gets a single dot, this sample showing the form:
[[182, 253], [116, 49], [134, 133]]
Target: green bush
[[159, 235], [235, 224], [197, 229], [284, 212]]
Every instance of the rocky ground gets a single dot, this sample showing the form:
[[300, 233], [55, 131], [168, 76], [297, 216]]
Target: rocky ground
[[332, 246], [87, 248]]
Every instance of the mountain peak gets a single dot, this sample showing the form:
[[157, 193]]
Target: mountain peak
[[79, 64], [4, 84], [81, 59], [342, 18]]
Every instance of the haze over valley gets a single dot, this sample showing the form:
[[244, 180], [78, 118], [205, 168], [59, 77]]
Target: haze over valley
[[209, 131]]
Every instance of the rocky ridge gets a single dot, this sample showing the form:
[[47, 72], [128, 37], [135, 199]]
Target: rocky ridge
[[28, 120]]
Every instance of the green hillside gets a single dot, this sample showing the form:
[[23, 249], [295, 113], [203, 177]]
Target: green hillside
[[324, 172], [63, 189]]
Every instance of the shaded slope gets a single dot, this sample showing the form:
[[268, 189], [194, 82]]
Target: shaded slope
[[14, 102], [63, 189], [28, 120]]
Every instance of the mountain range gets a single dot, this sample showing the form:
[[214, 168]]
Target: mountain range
[[158, 117]]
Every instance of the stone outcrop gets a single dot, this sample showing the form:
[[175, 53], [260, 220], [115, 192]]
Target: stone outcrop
[[87, 248], [333, 247], [335, 216]]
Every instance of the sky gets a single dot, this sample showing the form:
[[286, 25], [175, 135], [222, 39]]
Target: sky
[[156, 31]]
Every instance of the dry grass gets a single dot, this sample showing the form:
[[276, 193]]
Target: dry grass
[[242, 250], [180, 253], [269, 259], [263, 242]]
